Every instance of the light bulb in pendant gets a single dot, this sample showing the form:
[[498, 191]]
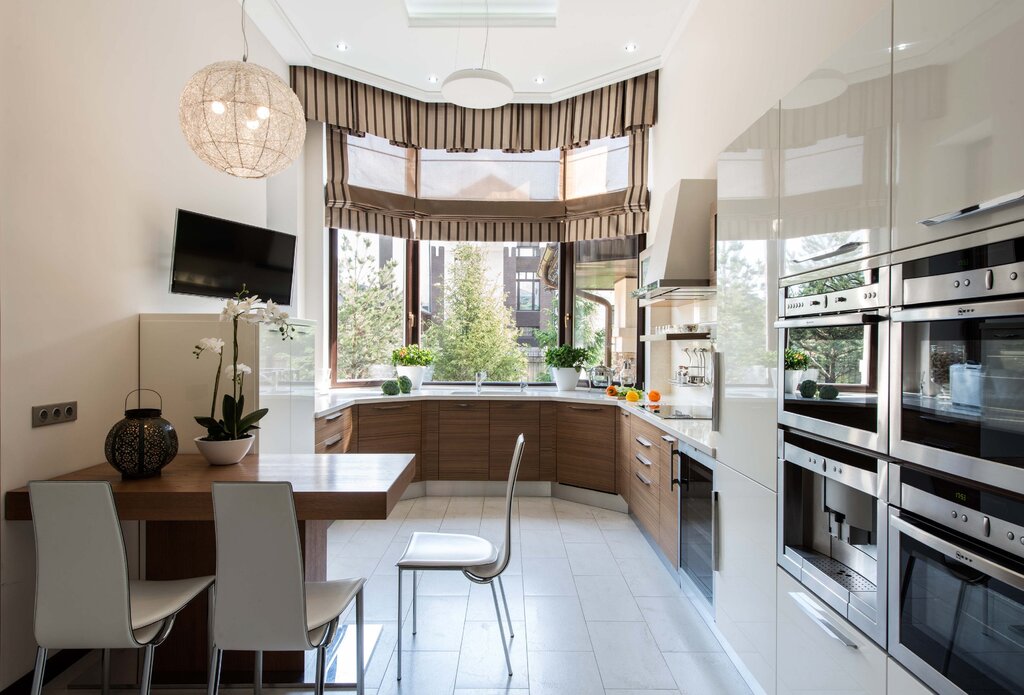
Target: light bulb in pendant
[[217, 107], [262, 113]]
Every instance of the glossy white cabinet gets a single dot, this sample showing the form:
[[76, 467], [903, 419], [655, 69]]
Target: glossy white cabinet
[[747, 302], [835, 139], [745, 575], [819, 651], [900, 682], [958, 113]]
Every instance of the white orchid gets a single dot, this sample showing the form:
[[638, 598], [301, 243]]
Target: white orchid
[[215, 344], [236, 372]]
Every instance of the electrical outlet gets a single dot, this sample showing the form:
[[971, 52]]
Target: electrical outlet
[[54, 413]]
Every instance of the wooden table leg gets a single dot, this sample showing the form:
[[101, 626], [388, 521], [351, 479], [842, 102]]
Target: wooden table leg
[[179, 549]]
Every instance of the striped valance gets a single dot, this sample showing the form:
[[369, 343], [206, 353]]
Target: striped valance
[[358, 108]]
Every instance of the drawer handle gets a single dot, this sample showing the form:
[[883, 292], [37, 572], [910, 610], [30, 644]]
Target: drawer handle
[[643, 442], [668, 438], [820, 618], [463, 405], [328, 443], [332, 418], [579, 407], [642, 479], [644, 461], [390, 407]]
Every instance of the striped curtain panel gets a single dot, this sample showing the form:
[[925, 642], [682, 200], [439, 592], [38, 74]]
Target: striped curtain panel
[[353, 109]]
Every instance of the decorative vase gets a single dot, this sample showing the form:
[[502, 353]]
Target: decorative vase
[[415, 374], [141, 444], [793, 378], [565, 378], [226, 451]]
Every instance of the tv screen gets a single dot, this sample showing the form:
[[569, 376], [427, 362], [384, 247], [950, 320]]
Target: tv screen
[[215, 257]]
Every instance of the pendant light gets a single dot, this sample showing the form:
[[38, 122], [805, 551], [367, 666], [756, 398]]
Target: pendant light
[[478, 88], [241, 118]]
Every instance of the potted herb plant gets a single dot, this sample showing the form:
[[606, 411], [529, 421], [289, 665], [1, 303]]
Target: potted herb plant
[[412, 361], [229, 438], [566, 362], [795, 362]]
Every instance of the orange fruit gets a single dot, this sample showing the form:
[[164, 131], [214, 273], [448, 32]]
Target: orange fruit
[[611, 391], [632, 396], [654, 396]]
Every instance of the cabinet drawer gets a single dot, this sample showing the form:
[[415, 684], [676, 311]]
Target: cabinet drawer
[[645, 436], [643, 501], [330, 428]]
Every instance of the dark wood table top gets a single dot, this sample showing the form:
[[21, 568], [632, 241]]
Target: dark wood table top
[[327, 486]]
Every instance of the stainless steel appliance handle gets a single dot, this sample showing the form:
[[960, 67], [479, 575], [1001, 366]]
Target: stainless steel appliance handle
[[820, 618], [961, 555], [715, 525], [853, 319], [947, 312], [1003, 201], [717, 377]]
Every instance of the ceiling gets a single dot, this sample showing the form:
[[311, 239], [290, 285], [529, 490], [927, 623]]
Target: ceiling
[[576, 45]]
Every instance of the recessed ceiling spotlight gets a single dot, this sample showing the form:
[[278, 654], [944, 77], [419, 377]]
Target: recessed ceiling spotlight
[[630, 47], [539, 79], [432, 79], [341, 46]]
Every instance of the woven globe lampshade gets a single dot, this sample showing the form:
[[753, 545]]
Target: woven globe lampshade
[[242, 119]]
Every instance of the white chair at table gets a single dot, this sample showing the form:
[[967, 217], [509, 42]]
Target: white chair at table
[[475, 557], [84, 598], [263, 601]]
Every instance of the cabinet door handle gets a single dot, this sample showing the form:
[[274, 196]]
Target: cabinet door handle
[[668, 438], [643, 442], [579, 407], [332, 418], [1003, 201], [328, 443], [463, 405], [390, 407], [715, 530], [821, 618], [644, 461], [642, 479]]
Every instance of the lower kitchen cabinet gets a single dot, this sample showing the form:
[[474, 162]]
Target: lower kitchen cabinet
[[585, 446], [390, 428], [335, 433], [744, 537], [668, 500], [819, 651], [463, 440], [509, 419], [899, 681], [623, 455]]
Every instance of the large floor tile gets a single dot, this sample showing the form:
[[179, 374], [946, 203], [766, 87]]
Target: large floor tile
[[580, 530], [698, 674], [547, 577], [629, 657], [538, 543], [481, 605], [483, 660], [562, 673], [556, 623], [606, 598], [439, 624], [628, 543], [423, 673], [648, 577], [591, 558], [440, 583], [676, 625]]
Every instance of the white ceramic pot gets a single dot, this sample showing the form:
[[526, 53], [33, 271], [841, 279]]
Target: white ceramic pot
[[226, 452], [415, 375], [565, 378], [793, 379]]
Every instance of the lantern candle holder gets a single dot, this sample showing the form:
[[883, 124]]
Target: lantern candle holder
[[142, 443]]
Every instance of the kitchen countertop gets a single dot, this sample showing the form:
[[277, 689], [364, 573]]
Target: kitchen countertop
[[696, 433]]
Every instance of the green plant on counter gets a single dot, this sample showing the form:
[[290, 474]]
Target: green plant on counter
[[566, 357], [796, 359], [828, 392], [808, 388], [404, 384], [390, 388], [412, 356]]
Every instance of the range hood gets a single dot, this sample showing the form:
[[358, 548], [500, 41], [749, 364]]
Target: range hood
[[680, 265]]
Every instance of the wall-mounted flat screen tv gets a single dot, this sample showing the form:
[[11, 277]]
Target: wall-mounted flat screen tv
[[215, 257]]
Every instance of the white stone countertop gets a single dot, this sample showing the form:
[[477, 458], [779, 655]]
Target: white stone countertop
[[696, 433]]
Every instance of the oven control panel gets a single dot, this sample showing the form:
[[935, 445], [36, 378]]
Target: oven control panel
[[855, 299], [965, 284], [964, 519]]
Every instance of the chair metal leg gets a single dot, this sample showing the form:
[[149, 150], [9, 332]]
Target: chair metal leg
[[399, 626], [501, 587], [37, 677], [360, 660], [321, 657], [257, 673], [147, 670], [415, 581], [216, 658], [105, 673], [501, 627]]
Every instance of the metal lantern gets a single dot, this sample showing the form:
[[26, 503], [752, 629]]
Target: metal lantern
[[141, 444]]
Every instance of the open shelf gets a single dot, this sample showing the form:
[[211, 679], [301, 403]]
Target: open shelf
[[660, 337]]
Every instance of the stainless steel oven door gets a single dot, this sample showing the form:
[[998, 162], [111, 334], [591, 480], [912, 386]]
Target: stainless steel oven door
[[850, 353], [956, 613], [957, 390]]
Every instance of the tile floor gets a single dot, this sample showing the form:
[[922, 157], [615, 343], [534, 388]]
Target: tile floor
[[593, 608]]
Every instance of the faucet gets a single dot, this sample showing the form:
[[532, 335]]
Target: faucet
[[480, 377]]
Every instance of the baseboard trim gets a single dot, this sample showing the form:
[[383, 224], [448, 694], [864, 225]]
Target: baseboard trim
[[55, 665], [524, 488]]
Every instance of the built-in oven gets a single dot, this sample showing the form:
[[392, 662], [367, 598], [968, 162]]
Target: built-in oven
[[956, 583], [957, 366], [832, 526], [834, 339], [696, 518]]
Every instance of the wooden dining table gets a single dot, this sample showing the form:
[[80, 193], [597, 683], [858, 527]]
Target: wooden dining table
[[178, 537]]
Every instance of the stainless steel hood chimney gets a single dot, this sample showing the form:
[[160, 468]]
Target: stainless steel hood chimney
[[680, 264]]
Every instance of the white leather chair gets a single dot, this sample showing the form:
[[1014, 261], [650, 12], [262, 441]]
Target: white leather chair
[[475, 557], [263, 602], [84, 598]]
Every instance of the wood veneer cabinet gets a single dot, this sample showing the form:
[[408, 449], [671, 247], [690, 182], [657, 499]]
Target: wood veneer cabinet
[[335, 433], [509, 419], [585, 446], [391, 428], [623, 455], [463, 433]]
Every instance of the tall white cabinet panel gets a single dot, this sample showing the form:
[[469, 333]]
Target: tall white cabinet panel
[[958, 113], [747, 303], [900, 682], [819, 651], [835, 155], [745, 575]]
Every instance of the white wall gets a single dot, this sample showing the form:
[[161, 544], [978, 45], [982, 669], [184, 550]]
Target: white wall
[[92, 167]]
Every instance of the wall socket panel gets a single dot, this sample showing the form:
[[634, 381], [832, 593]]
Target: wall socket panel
[[54, 413]]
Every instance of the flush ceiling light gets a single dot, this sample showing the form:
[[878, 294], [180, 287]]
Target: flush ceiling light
[[630, 47], [539, 79], [432, 79], [341, 46], [478, 88], [241, 118]]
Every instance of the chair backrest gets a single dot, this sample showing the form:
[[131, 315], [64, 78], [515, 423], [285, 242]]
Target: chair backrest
[[260, 596], [82, 599], [505, 552]]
